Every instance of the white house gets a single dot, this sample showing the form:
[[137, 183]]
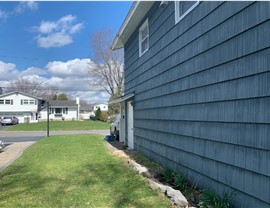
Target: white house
[[102, 107], [21, 105], [61, 110]]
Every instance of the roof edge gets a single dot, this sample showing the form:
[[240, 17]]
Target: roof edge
[[133, 18], [122, 99], [23, 93]]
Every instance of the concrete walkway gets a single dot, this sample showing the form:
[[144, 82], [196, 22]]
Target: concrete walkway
[[12, 152], [19, 141]]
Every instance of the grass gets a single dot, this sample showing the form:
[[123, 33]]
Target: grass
[[74, 171], [61, 125]]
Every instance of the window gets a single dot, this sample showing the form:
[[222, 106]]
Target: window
[[143, 38], [32, 102], [182, 8], [28, 102], [2, 102], [9, 102], [25, 102]]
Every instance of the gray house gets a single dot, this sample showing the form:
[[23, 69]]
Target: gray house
[[197, 92]]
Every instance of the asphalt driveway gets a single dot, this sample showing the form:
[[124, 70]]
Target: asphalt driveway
[[26, 136]]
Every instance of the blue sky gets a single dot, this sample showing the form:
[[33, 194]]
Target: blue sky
[[50, 41]]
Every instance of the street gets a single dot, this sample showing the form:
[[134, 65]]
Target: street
[[26, 136]]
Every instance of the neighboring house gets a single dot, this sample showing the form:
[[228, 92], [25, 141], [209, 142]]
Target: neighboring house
[[21, 105], [197, 92], [102, 107], [61, 110], [86, 112]]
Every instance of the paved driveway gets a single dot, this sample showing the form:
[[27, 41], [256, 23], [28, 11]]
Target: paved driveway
[[25, 136]]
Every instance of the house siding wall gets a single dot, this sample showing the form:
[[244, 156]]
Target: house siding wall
[[25, 113], [71, 115], [202, 96]]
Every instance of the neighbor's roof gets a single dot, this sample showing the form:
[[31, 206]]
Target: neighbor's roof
[[62, 103], [137, 11], [22, 93]]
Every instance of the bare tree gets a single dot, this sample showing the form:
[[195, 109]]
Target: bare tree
[[108, 67], [32, 88], [24, 85]]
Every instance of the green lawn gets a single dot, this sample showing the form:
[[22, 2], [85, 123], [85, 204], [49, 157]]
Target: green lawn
[[61, 125], [74, 171]]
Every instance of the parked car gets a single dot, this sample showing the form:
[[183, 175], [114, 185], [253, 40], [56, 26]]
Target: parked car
[[9, 120], [114, 128]]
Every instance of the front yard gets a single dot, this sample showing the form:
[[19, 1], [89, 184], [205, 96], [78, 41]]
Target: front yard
[[61, 125], [74, 171]]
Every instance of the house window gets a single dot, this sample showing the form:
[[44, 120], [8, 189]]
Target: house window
[[143, 38], [2, 102], [182, 8], [32, 102], [28, 102], [25, 102], [9, 102]]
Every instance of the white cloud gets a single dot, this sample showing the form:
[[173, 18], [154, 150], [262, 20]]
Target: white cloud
[[71, 68], [21, 7], [24, 5], [57, 33], [71, 77], [3, 14], [54, 40], [76, 28], [8, 71], [47, 27], [32, 71]]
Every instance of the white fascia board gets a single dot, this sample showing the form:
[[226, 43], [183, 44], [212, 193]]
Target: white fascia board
[[122, 99], [134, 17]]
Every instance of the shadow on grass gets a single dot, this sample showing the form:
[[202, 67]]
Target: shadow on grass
[[98, 185], [18, 182], [126, 190]]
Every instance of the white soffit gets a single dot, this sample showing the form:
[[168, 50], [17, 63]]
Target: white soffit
[[137, 11], [122, 99]]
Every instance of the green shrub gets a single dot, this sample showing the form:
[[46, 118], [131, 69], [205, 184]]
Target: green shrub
[[168, 175], [181, 182], [98, 114], [211, 199], [104, 116]]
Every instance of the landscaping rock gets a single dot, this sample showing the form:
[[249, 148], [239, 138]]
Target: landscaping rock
[[137, 167], [176, 196]]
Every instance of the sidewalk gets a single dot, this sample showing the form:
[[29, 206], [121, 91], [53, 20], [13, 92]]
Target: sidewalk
[[12, 152]]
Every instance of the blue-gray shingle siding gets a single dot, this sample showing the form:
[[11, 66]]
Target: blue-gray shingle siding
[[202, 95]]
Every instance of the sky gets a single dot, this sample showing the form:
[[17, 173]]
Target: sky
[[50, 42]]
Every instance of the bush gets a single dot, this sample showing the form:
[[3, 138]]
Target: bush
[[104, 116], [168, 175], [98, 114], [181, 182], [211, 199]]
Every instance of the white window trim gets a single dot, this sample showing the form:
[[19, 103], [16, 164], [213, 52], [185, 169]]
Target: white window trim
[[144, 25], [177, 15]]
